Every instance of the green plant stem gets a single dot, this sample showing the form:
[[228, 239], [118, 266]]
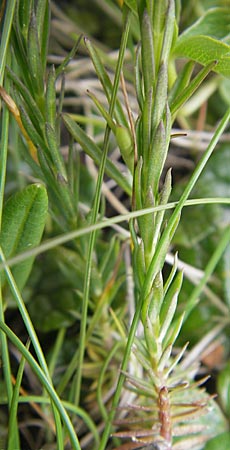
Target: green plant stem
[[193, 299], [3, 163], [3, 159], [95, 210], [56, 350], [111, 354], [68, 406], [45, 382], [34, 339], [8, 21], [5, 356], [13, 441]]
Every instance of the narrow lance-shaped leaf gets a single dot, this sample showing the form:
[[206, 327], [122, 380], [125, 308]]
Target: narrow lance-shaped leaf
[[34, 59], [169, 306], [43, 24], [168, 31], [60, 69], [189, 90], [146, 225], [139, 264], [95, 152], [51, 98], [159, 16], [146, 123], [24, 14], [137, 184], [164, 196], [165, 357], [176, 360], [103, 111], [157, 298], [157, 155], [168, 124], [171, 275], [125, 144], [54, 151], [138, 78], [11, 105], [34, 112], [147, 53], [160, 96], [20, 53], [151, 331], [23, 222], [174, 331], [122, 134], [182, 80], [31, 133], [106, 82]]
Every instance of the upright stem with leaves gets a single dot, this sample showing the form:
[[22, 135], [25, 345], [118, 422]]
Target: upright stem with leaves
[[156, 300]]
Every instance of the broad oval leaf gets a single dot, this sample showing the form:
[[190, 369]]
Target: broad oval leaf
[[214, 23], [23, 222], [207, 40], [204, 49]]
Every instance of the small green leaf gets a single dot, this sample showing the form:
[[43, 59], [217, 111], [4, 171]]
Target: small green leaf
[[23, 222]]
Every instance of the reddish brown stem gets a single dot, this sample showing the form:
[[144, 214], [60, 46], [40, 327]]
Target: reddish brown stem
[[165, 416]]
